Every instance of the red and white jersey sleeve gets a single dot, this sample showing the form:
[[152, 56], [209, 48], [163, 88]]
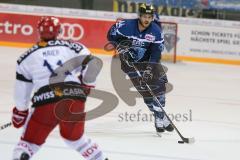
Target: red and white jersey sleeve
[[23, 88], [35, 67]]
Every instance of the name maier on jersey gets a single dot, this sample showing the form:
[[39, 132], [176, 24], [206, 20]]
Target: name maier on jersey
[[73, 46]]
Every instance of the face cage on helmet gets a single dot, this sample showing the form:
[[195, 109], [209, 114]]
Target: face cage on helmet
[[140, 14]]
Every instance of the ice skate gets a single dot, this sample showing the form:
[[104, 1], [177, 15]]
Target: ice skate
[[162, 124], [24, 156]]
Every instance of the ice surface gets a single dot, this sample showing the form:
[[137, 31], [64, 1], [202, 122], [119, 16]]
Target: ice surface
[[208, 95]]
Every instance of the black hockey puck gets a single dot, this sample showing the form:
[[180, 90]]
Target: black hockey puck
[[180, 142]]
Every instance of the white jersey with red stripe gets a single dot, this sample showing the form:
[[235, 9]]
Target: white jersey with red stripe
[[36, 66]]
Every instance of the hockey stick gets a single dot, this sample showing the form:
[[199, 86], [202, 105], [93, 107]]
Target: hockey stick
[[184, 140], [5, 125]]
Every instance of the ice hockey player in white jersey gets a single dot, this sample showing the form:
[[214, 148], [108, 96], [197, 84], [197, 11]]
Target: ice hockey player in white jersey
[[49, 71]]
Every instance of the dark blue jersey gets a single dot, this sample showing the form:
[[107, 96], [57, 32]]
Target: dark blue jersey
[[147, 44]]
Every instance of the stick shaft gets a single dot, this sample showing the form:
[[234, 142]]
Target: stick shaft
[[160, 105], [5, 125]]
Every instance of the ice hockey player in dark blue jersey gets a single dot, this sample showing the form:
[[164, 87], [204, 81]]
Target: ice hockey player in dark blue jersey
[[140, 41]]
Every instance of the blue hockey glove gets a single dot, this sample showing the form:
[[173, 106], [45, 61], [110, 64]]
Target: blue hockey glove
[[147, 74]]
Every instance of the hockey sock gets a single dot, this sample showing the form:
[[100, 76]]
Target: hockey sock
[[24, 150], [88, 149]]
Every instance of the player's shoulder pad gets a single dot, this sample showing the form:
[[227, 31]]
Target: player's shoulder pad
[[120, 23], [75, 46], [156, 29], [27, 53], [125, 25], [156, 34]]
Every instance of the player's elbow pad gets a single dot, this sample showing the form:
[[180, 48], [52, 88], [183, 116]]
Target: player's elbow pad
[[93, 69]]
